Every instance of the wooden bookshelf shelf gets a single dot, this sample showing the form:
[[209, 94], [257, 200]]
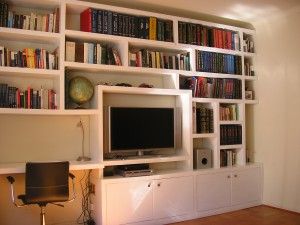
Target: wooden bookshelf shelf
[[224, 147], [48, 112], [27, 72]]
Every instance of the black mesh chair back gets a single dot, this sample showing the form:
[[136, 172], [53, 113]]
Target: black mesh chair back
[[46, 182]]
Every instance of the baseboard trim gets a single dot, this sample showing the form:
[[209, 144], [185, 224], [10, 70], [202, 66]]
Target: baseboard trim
[[282, 209]]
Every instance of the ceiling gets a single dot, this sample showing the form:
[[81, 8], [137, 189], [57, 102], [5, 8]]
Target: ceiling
[[237, 12]]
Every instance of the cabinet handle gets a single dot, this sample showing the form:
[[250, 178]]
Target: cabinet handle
[[158, 185], [149, 185], [235, 175], [228, 176]]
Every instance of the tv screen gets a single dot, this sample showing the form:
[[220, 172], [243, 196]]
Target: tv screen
[[141, 128]]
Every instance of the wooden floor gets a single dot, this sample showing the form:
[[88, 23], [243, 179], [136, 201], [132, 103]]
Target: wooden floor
[[260, 215]]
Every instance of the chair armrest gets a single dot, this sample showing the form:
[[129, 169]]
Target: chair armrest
[[11, 180]]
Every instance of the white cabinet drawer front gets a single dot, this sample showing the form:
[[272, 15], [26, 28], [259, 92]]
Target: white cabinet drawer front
[[213, 191], [173, 197], [129, 202]]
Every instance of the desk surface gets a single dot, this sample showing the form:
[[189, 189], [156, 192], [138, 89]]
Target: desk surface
[[8, 168]]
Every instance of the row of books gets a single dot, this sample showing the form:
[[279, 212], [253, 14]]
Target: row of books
[[46, 22], [197, 34], [29, 57], [248, 45], [249, 69], [228, 158], [229, 112], [92, 53], [218, 63], [230, 134], [108, 22], [160, 60], [203, 87], [13, 97], [203, 120]]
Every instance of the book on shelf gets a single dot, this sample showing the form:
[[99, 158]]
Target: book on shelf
[[13, 97], [249, 69], [113, 23], [204, 120], [229, 112], [160, 60], [230, 134], [92, 53], [218, 63], [29, 58], [228, 158], [203, 87], [248, 44], [31, 21], [197, 34]]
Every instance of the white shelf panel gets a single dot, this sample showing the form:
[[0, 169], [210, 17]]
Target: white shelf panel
[[120, 69], [230, 122], [251, 101], [155, 159], [250, 77], [207, 135], [9, 168], [230, 146], [142, 91], [212, 75], [47, 112], [210, 49], [217, 100], [27, 72], [249, 54], [13, 34]]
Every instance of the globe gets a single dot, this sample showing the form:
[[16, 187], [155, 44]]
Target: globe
[[81, 90]]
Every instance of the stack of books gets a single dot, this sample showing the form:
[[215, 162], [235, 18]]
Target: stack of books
[[93, 53], [108, 22], [229, 112], [160, 60], [218, 63], [33, 21], [203, 87], [197, 34], [227, 158], [203, 120], [231, 134], [248, 44], [249, 69], [29, 57], [13, 97]]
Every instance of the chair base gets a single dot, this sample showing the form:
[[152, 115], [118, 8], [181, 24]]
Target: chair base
[[42, 215]]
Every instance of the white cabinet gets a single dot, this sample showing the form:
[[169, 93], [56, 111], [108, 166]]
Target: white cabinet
[[213, 191], [144, 200], [129, 202], [173, 197], [226, 189], [246, 186]]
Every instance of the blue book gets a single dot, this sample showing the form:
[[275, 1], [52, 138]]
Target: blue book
[[94, 20]]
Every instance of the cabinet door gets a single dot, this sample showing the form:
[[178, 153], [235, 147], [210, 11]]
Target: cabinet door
[[246, 186], [129, 202], [173, 196], [213, 191]]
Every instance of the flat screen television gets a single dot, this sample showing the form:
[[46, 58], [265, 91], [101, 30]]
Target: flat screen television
[[141, 129]]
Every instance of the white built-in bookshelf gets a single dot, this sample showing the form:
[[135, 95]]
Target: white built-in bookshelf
[[166, 90]]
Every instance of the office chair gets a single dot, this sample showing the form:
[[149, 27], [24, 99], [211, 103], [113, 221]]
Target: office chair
[[45, 183]]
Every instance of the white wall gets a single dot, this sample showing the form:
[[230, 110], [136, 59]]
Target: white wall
[[276, 129]]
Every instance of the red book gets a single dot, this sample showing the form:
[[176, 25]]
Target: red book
[[86, 20], [224, 39], [220, 39], [229, 39]]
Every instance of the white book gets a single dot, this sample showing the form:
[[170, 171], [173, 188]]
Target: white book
[[85, 52], [32, 21], [44, 23], [51, 61], [173, 62], [229, 158], [2, 55], [44, 53], [39, 23], [70, 51], [50, 27], [99, 53]]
